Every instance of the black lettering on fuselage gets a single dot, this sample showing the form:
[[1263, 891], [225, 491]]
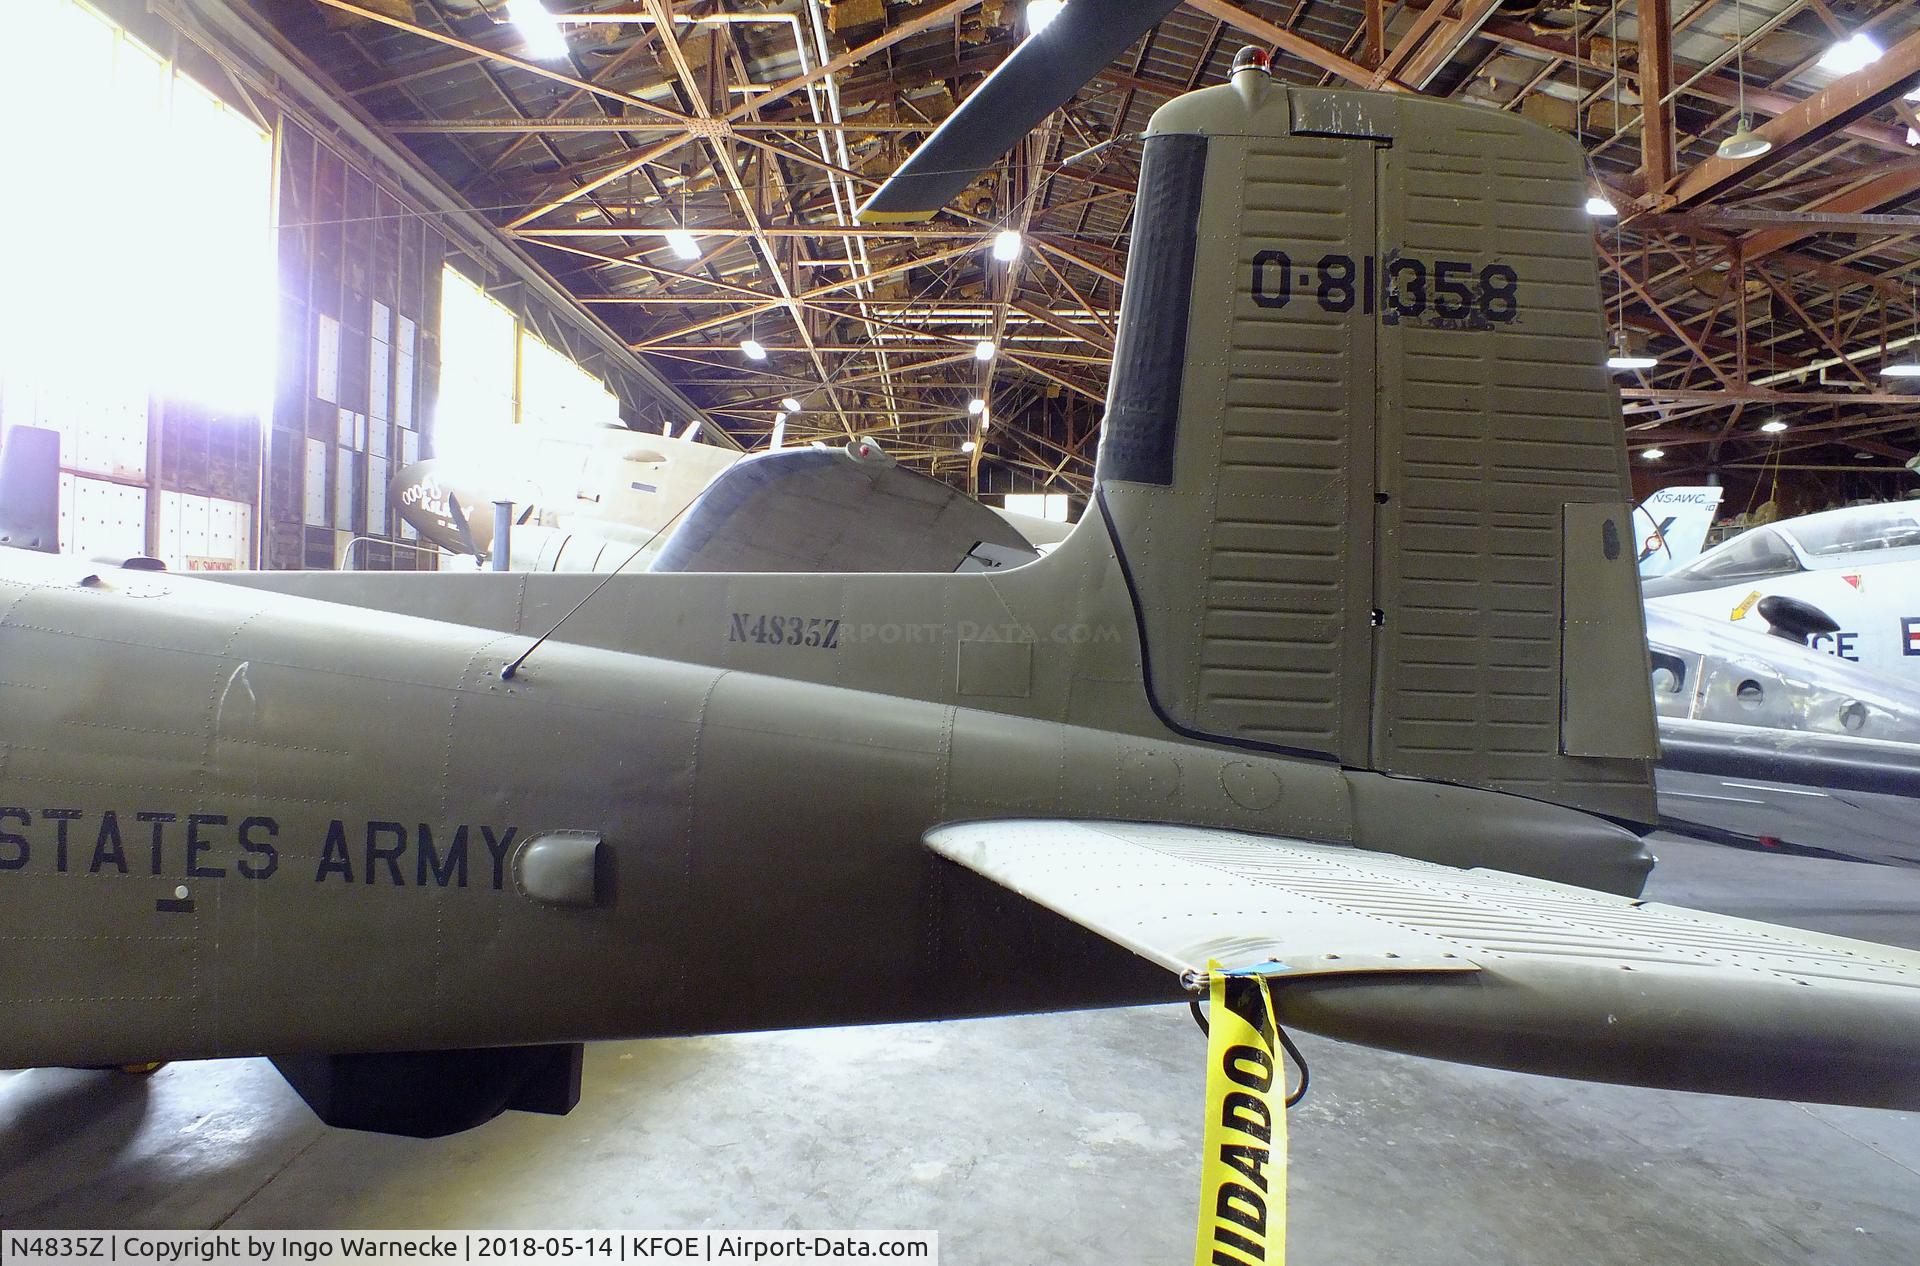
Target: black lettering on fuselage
[[258, 848], [197, 846], [107, 847], [452, 867], [159, 821], [389, 855], [14, 849], [61, 816], [498, 848], [334, 858]]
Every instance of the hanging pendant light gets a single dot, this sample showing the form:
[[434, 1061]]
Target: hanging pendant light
[[1910, 367], [1629, 351], [1745, 142]]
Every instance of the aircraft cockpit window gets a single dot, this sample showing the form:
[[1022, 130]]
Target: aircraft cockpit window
[[1758, 553], [1895, 527]]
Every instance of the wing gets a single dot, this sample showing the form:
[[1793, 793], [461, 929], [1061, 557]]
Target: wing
[[1483, 967]]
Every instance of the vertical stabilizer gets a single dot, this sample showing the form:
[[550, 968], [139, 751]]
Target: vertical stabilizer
[[1362, 462], [30, 489]]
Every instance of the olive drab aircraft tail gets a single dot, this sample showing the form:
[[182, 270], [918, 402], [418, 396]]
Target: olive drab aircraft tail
[[1343, 684]]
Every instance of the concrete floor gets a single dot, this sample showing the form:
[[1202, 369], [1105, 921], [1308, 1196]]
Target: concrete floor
[[1055, 1138]]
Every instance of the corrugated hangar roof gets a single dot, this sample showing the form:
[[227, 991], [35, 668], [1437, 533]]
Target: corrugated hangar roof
[[1772, 287]]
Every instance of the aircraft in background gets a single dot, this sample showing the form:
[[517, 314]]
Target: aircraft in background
[[1671, 526], [626, 502], [1854, 575], [579, 502]]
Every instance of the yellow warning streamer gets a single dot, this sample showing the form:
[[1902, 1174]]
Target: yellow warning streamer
[[1243, 1171]]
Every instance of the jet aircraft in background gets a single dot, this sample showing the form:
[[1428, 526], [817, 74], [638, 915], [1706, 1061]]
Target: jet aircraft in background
[[1858, 569], [1671, 526]]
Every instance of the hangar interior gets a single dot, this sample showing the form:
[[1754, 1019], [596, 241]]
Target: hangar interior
[[276, 251], [402, 228]]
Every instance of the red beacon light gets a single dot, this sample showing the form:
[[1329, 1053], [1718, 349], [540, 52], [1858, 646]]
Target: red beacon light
[[1251, 58]]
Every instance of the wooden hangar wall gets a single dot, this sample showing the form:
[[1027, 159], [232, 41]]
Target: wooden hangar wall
[[352, 259]]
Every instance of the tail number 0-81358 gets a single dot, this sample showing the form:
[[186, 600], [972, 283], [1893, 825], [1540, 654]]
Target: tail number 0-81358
[[1450, 289]]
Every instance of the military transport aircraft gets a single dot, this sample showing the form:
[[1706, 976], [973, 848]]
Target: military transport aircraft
[[582, 502], [1329, 685]]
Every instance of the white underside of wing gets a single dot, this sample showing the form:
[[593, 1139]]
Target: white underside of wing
[[1537, 975]]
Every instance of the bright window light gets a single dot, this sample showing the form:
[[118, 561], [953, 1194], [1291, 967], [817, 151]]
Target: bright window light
[[473, 421], [191, 274], [1654, 454], [1040, 505], [1773, 426], [790, 404], [684, 244], [1913, 136], [1600, 208], [976, 406], [1853, 53], [558, 395], [752, 349], [538, 31], [1006, 246], [983, 350], [1042, 12]]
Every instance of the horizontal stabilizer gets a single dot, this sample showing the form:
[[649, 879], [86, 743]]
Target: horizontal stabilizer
[[1480, 966]]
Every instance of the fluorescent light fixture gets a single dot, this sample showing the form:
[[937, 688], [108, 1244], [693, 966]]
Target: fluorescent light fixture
[[1773, 426], [983, 350], [538, 30], [1629, 352], [976, 406], [1853, 53], [985, 423], [779, 437], [1653, 454], [1744, 143], [684, 244], [1006, 246], [1599, 207], [1041, 12], [753, 349], [692, 431], [967, 446], [1901, 369], [790, 404]]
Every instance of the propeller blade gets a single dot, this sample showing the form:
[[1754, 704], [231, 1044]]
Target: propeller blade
[[459, 519], [1037, 78]]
